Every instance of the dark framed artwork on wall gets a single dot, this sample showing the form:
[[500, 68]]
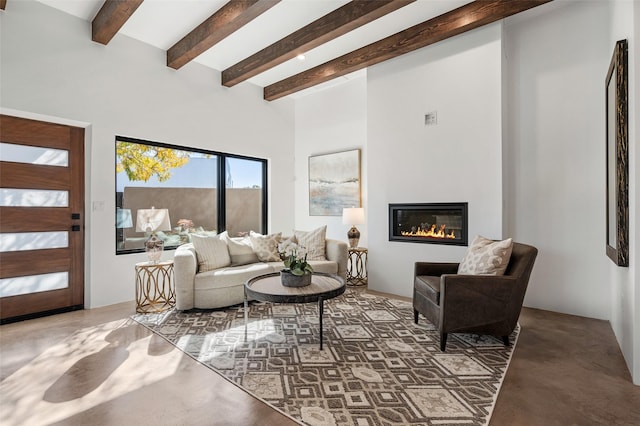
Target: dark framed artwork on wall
[[617, 157], [334, 182]]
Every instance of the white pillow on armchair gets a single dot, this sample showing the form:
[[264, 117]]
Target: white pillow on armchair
[[486, 257]]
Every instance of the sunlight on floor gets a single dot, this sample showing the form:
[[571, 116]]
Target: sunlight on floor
[[93, 366], [222, 344]]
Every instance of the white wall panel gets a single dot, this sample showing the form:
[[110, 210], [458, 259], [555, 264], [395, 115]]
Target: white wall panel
[[554, 154], [330, 120], [457, 160]]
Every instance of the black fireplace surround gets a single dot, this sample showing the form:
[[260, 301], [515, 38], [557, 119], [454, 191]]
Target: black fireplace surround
[[430, 223]]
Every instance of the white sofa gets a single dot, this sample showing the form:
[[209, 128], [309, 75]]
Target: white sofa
[[225, 286]]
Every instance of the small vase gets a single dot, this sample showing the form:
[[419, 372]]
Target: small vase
[[290, 280]]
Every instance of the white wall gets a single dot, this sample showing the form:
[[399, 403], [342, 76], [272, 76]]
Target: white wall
[[625, 282], [327, 121], [51, 67], [459, 159], [555, 153], [555, 172]]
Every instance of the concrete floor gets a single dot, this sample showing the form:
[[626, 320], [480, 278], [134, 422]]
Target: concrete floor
[[565, 370]]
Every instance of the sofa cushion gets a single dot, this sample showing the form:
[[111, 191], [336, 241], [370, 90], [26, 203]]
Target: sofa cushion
[[486, 257], [211, 252], [240, 249], [314, 242], [231, 276], [266, 246], [326, 266]]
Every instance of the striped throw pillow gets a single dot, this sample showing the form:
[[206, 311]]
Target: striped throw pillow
[[314, 242]]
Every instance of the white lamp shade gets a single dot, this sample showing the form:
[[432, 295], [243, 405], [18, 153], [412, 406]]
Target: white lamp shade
[[153, 220], [353, 216], [123, 218]]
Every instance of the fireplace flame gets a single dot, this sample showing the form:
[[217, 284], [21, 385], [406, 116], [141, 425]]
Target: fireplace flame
[[432, 232]]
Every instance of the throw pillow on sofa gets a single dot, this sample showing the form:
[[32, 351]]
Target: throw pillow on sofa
[[266, 246], [313, 242], [211, 252], [240, 249], [486, 257]]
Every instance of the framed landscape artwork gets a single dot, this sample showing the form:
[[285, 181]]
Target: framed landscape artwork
[[334, 182], [617, 163]]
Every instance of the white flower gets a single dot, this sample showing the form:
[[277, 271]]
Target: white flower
[[289, 248]]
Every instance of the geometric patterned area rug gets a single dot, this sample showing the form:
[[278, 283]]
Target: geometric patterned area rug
[[376, 368]]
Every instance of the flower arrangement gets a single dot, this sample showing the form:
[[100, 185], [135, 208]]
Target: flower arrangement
[[186, 224], [295, 258]]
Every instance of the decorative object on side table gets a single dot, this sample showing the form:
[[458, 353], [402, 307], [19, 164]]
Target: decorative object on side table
[[353, 216], [357, 266], [297, 272], [150, 221], [155, 290]]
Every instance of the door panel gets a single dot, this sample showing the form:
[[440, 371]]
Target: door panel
[[41, 217], [18, 264], [29, 176]]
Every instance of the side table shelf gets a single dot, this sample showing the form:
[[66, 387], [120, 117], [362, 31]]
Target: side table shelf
[[155, 291], [357, 266]]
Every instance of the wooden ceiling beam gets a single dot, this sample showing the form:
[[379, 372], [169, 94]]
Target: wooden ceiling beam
[[465, 18], [111, 17], [228, 19], [332, 25]]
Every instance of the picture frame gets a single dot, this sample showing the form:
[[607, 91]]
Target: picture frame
[[617, 156], [334, 182]]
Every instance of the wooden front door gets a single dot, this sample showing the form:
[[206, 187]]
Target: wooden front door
[[41, 218]]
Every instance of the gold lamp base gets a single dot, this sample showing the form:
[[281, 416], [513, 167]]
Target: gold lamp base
[[354, 237]]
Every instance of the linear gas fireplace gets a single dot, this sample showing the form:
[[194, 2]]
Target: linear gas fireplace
[[432, 223]]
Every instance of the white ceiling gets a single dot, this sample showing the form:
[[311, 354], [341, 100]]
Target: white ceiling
[[161, 23]]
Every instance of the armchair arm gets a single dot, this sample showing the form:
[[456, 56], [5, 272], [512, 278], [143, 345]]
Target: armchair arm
[[435, 269], [185, 266], [336, 251], [468, 301]]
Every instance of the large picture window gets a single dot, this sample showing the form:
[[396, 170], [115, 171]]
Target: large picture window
[[177, 191]]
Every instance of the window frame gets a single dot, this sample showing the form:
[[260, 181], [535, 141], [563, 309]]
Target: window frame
[[221, 184]]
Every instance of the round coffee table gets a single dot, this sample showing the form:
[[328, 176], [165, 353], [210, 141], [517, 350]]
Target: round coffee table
[[269, 288]]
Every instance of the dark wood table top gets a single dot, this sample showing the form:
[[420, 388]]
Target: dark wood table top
[[269, 288]]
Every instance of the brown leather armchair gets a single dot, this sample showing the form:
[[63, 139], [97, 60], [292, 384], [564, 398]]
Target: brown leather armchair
[[482, 304]]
